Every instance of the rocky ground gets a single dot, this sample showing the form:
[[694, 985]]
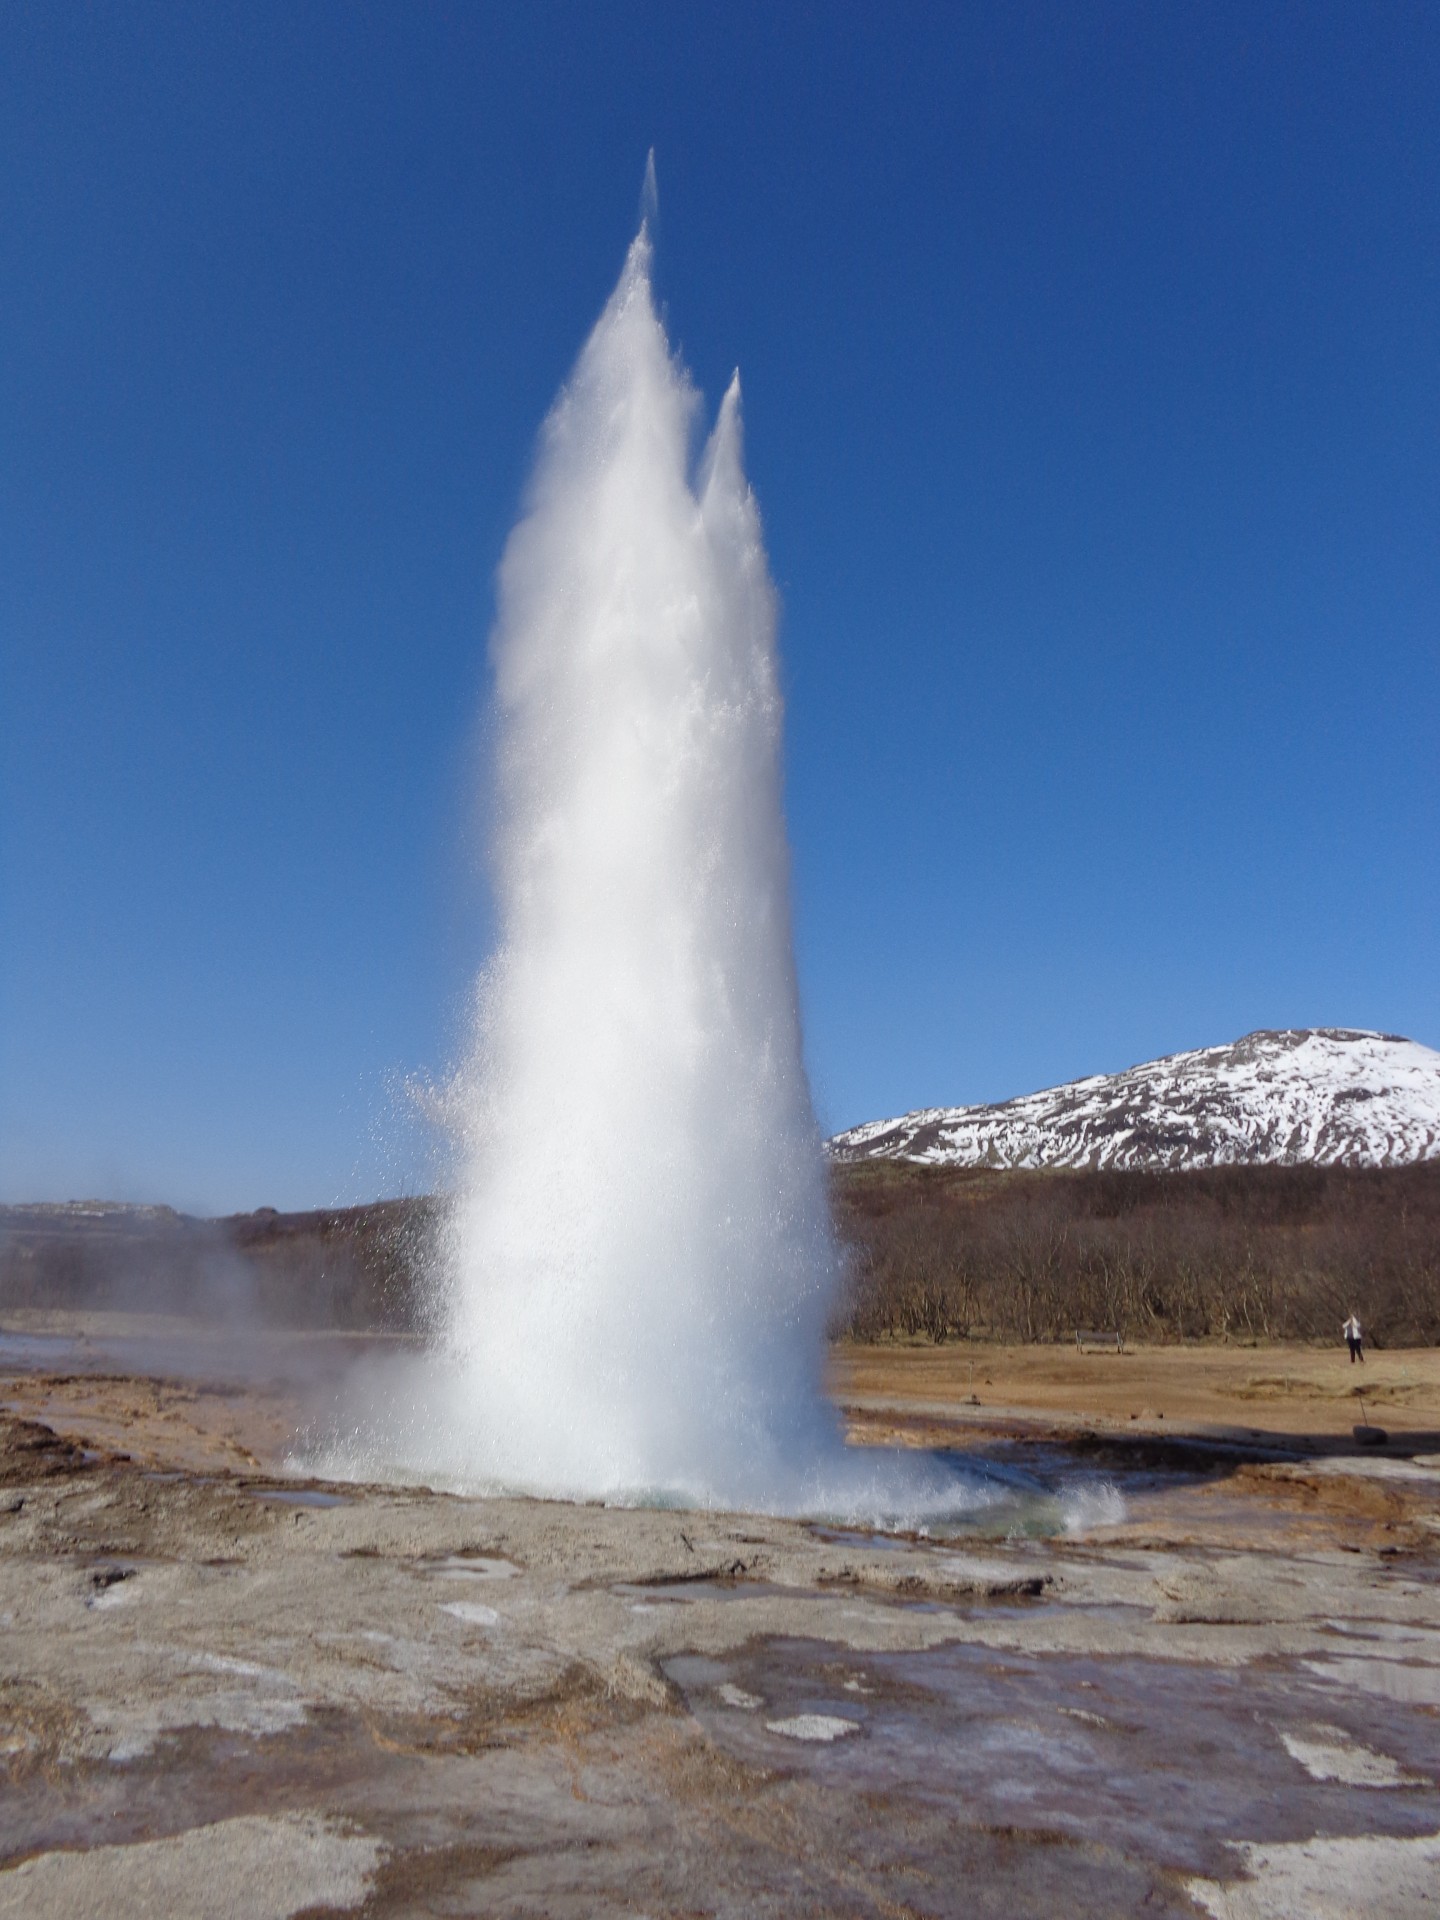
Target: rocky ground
[[229, 1689]]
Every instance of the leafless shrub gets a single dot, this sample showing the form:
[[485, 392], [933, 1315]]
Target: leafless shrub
[[1257, 1253]]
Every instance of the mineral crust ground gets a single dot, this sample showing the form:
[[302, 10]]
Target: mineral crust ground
[[230, 1689]]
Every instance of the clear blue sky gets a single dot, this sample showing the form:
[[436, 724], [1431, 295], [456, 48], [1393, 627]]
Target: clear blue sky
[[1093, 404]]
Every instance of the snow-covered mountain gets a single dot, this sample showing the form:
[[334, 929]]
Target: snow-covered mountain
[[1324, 1095]]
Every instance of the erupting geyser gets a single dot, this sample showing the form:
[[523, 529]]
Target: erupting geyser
[[641, 1262]]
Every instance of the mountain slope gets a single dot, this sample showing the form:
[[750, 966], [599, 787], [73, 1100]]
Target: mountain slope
[[1325, 1095]]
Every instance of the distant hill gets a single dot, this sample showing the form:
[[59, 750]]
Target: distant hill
[[1326, 1096]]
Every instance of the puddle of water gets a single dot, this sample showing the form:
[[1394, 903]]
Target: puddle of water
[[35, 1352], [695, 1670], [677, 1592], [1152, 1757], [851, 1537], [1075, 1507], [299, 1496]]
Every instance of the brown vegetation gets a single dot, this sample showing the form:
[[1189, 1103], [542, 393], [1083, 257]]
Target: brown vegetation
[[1265, 1253], [1262, 1253]]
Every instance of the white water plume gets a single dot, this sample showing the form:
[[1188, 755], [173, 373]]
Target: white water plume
[[644, 1256], [642, 1260]]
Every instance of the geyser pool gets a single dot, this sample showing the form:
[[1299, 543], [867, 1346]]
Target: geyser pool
[[641, 1263]]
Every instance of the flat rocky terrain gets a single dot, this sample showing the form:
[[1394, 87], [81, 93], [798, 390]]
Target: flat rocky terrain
[[230, 1688]]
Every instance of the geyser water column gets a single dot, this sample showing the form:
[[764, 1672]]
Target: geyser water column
[[633, 1299], [642, 1257]]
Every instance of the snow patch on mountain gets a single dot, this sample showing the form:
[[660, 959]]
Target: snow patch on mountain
[[1329, 1096]]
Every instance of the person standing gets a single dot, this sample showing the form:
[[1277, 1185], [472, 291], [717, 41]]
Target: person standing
[[1354, 1339]]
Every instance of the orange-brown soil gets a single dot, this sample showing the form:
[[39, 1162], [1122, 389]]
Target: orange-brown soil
[[1285, 1392]]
